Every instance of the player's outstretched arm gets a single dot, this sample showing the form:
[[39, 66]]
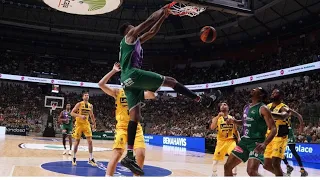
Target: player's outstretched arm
[[283, 115], [300, 118], [155, 28], [136, 31], [103, 82]]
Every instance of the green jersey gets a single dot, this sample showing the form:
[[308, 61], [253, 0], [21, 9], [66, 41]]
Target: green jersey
[[254, 125], [130, 55]]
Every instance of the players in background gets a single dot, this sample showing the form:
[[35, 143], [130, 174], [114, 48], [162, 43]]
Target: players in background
[[256, 120], [225, 137], [65, 119], [136, 81], [82, 125], [274, 152], [292, 145], [123, 118]]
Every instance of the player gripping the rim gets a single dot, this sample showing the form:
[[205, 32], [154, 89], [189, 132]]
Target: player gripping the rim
[[136, 81]]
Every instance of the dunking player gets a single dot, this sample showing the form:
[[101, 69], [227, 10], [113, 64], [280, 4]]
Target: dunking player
[[226, 141], [292, 145], [256, 120], [135, 80], [274, 152], [65, 119], [82, 125], [123, 118]]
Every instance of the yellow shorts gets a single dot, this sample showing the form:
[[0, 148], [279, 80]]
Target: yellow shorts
[[121, 138], [276, 148], [79, 129], [223, 148]]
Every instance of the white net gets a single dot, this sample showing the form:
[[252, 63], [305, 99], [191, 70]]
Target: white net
[[181, 9]]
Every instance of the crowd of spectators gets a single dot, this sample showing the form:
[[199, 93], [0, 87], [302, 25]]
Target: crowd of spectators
[[88, 71], [22, 104]]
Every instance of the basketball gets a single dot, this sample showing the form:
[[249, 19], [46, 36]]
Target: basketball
[[208, 34]]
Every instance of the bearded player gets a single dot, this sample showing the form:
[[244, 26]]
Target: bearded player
[[65, 119], [123, 118], [292, 145], [82, 126], [136, 81], [274, 152], [226, 134], [256, 120]]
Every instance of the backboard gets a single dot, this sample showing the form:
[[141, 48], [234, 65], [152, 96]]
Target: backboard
[[50, 100], [84, 7]]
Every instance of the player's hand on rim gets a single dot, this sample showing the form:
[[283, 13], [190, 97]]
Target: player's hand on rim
[[117, 67]]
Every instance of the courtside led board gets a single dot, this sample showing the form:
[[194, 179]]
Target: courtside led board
[[84, 7]]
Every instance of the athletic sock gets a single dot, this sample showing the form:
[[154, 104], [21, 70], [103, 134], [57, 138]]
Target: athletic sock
[[90, 156], [132, 130], [185, 91], [74, 155], [64, 140]]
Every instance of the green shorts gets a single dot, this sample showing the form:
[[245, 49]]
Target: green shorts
[[245, 150], [136, 81], [66, 128], [291, 137]]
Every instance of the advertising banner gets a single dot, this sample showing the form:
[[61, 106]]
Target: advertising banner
[[103, 135], [16, 131], [190, 143], [308, 152]]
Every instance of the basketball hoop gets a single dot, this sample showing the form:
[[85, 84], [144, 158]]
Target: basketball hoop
[[181, 9]]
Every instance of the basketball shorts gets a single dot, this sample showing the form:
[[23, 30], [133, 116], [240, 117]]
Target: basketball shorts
[[136, 81], [223, 148], [67, 128], [82, 129], [245, 150], [291, 137], [121, 138], [276, 148]]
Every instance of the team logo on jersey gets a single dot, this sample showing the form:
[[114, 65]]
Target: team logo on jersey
[[238, 149]]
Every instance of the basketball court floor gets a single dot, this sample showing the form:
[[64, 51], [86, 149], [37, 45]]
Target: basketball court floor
[[38, 156]]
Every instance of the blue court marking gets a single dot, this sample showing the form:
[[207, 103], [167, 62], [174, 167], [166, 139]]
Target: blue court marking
[[84, 169]]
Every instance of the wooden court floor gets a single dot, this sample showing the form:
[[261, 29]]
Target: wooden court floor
[[36, 156]]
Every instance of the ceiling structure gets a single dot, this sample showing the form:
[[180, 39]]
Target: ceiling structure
[[176, 33]]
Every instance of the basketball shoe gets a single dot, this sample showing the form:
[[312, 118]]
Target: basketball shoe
[[74, 162], [92, 162], [130, 163]]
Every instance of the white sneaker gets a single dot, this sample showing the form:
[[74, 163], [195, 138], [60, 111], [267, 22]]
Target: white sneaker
[[64, 152], [214, 174], [70, 152]]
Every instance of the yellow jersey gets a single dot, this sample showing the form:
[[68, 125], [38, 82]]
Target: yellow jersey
[[122, 111], [282, 125], [84, 109], [225, 131]]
